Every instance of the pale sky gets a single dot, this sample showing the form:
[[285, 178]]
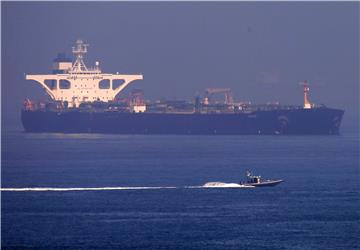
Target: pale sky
[[261, 50]]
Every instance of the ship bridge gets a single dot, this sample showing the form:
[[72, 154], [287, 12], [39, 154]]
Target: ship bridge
[[74, 83]]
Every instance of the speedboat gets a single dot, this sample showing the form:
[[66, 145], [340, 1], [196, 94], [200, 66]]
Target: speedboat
[[256, 181]]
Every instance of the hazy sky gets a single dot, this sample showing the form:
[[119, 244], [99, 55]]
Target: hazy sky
[[260, 50]]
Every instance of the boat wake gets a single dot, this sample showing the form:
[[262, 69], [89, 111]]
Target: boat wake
[[46, 189], [224, 185], [60, 189]]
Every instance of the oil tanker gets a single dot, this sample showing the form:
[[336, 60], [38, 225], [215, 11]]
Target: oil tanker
[[84, 100]]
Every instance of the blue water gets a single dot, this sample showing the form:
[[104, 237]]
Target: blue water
[[317, 207]]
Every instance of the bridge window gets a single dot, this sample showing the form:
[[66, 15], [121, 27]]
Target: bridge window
[[64, 84], [104, 84], [117, 83], [51, 83]]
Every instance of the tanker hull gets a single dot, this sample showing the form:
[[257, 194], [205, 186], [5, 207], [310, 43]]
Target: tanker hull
[[319, 121]]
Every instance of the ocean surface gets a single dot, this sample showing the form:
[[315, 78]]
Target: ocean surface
[[91, 191]]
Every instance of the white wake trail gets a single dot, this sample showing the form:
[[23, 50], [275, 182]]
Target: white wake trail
[[46, 189], [59, 189], [224, 185]]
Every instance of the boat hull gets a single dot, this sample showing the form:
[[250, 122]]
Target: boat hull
[[264, 183], [320, 121]]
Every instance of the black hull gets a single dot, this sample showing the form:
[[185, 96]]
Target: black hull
[[319, 121]]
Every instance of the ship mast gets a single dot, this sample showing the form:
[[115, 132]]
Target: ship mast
[[79, 50], [307, 104]]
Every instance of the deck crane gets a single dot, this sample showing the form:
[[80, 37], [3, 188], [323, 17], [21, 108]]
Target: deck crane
[[226, 91]]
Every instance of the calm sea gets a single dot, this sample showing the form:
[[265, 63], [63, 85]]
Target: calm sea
[[317, 207]]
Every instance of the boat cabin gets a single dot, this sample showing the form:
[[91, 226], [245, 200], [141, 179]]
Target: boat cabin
[[252, 178]]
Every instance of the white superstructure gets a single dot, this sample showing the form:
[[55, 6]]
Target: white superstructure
[[77, 84]]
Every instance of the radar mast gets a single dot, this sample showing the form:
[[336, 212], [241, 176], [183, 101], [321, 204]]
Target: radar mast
[[79, 50]]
